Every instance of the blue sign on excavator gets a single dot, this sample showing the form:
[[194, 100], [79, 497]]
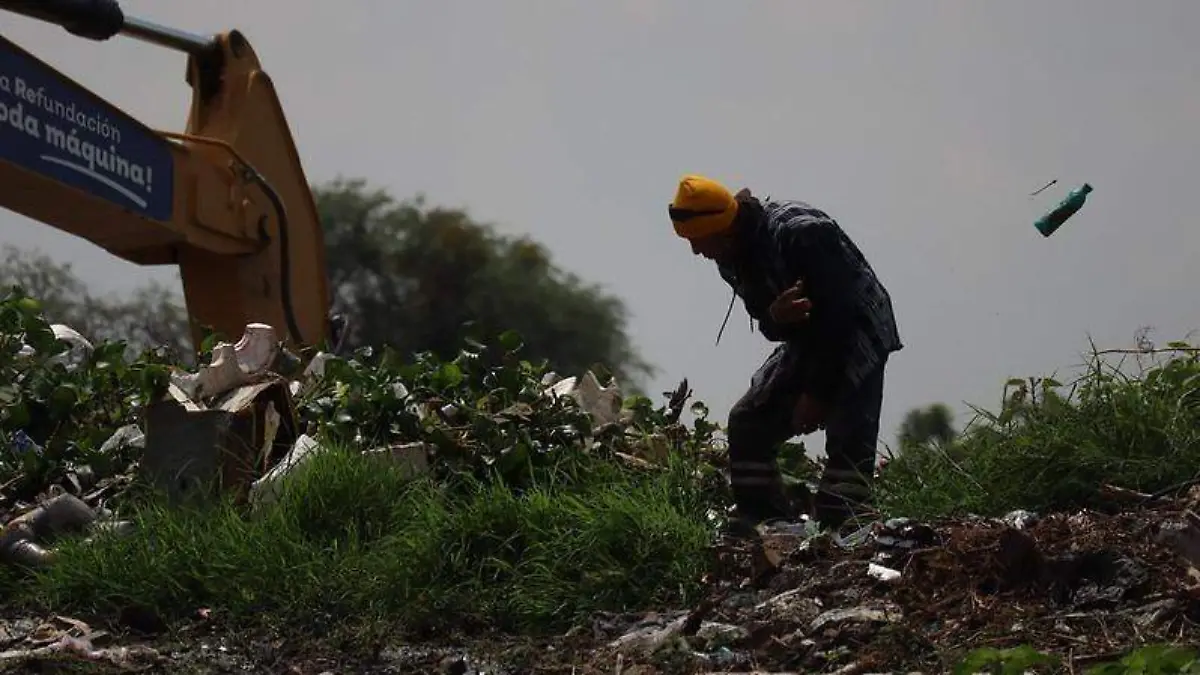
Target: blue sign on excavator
[[55, 127]]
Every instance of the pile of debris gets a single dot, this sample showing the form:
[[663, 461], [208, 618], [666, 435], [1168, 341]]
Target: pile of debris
[[894, 596], [230, 428], [902, 596]]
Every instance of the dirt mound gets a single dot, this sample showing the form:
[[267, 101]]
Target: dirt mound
[[903, 596]]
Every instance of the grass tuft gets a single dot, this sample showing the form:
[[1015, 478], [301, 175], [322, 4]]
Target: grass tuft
[[1051, 447], [351, 537]]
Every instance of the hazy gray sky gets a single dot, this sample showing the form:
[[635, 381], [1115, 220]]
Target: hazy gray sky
[[921, 126]]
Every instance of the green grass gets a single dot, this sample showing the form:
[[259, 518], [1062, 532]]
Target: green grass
[[1054, 446], [354, 543]]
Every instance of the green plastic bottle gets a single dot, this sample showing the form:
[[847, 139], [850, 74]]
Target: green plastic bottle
[[1050, 222]]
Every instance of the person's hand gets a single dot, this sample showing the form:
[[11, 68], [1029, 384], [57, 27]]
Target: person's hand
[[808, 415], [791, 306]]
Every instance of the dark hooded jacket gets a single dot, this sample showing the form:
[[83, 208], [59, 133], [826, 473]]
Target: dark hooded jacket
[[851, 329]]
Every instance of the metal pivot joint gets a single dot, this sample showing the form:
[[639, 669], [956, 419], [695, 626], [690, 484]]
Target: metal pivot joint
[[103, 19]]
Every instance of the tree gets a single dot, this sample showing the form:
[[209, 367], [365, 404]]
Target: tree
[[922, 425], [414, 277], [152, 316]]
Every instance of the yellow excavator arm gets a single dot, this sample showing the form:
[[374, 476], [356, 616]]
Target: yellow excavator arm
[[226, 200]]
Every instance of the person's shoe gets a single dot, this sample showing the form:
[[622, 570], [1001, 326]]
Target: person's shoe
[[842, 516], [740, 527]]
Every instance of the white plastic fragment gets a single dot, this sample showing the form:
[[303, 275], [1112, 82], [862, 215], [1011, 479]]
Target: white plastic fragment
[[232, 364], [265, 490], [80, 348], [313, 372], [412, 458], [78, 352], [257, 349], [128, 436], [602, 403], [885, 574]]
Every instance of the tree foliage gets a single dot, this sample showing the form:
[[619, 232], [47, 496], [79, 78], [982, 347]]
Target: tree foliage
[[408, 276], [152, 315], [421, 278], [923, 425]]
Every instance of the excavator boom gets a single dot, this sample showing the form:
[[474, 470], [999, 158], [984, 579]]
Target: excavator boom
[[226, 199]]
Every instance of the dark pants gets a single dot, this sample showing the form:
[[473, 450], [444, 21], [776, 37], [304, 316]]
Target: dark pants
[[762, 420]]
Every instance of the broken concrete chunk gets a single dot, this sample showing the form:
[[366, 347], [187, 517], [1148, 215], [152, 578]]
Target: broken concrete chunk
[[218, 377]]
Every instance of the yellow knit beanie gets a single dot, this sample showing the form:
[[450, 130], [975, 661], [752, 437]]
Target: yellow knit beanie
[[702, 207]]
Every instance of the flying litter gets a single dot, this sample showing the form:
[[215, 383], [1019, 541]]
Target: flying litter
[[1053, 220]]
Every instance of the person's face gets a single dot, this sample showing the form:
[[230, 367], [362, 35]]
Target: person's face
[[716, 247]]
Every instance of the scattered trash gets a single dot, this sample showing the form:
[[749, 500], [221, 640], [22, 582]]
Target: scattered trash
[[854, 614], [602, 403], [128, 436], [1017, 579], [314, 371], [120, 657], [905, 534], [797, 599], [885, 574], [1020, 519], [232, 364], [78, 352], [22, 443], [265, 490], [649, 637], [24, 539]]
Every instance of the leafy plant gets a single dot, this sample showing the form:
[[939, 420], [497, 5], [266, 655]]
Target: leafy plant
[[54, 416], [1010, 661]]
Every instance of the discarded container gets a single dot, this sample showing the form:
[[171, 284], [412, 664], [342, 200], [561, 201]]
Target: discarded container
[[1050, 222], [22, 539], [193, 448]]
